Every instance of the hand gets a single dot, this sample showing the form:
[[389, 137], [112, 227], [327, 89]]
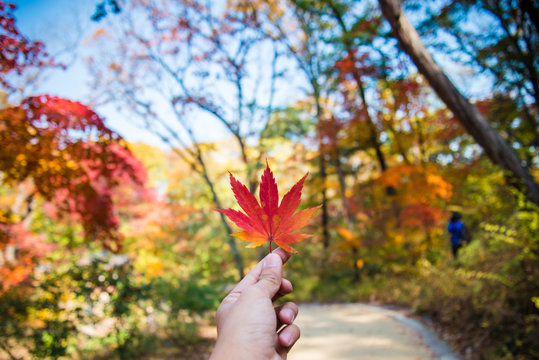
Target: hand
[[247, 321]]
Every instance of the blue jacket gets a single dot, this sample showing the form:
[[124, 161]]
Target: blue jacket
[[455, 228]]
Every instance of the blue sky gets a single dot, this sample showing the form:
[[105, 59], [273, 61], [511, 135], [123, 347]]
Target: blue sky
[[59, 24]]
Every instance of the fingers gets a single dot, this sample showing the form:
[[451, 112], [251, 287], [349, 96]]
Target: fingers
[[287, 338], [252, 276], [270, 279], [286, 313], [283, 254], [285, 289]]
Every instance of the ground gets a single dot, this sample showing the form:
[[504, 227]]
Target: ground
[[360, 331]]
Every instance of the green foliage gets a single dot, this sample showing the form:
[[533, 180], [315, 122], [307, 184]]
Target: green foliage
[[97, 304], [483, 301]]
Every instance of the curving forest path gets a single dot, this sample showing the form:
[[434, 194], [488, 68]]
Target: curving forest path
[[361, 331]]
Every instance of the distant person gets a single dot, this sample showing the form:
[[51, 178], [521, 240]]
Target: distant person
[[459, 233], [249, 326]]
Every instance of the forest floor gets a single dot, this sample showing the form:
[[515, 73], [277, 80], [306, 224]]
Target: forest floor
[[361, 331]]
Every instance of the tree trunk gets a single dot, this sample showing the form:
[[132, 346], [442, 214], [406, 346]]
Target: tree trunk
[[467, 114], [203, 171], [325, 215], [322, 163], [231, 240], [348, 215]]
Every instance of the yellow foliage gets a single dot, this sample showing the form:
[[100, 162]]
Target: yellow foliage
[[45, 314], [345, 233], [398, 238], [386, 94], [154, 268], [31, 130], [274, 8], [66, 296], [144, 243], [351, 240], [474, 274]]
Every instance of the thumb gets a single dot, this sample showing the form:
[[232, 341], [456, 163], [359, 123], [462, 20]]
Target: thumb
[[271, 276]]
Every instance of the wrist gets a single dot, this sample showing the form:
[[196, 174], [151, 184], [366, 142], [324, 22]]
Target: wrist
[[227, 348]]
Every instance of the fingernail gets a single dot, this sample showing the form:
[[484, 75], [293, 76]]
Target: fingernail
[[290, 315], [272, 260], [287, 339]]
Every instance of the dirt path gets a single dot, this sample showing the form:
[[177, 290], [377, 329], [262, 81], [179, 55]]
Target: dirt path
[[359, 331]]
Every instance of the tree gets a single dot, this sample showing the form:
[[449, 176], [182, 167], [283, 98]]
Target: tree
[[171, 66], [67, 157], [467, 114], [305, 43], [504, 44], [58, 152], [502, 49], [72, 159]]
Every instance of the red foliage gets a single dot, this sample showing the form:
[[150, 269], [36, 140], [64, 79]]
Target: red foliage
[[355, 64], [74, 160], [16, 52], [422, 215], [65, 154], [421, 193]]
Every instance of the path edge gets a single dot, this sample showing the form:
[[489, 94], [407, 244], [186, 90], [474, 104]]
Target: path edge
[[440, 348]]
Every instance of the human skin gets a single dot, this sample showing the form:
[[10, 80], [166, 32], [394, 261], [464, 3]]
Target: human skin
[[249, 326]]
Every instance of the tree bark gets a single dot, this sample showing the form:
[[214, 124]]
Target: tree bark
[[325, 215], [231, 240], [322, 164], [467, 114]]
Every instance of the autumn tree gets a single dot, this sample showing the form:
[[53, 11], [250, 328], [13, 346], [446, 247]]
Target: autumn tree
[[503, 45], [179, 67], [503, 49], [468, 115], [307, 39], [59, 152]]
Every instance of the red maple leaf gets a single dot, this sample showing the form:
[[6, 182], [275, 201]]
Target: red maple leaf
[[269, 221]]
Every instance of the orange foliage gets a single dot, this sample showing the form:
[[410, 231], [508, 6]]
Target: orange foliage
[[18, 250], [421, 192]]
